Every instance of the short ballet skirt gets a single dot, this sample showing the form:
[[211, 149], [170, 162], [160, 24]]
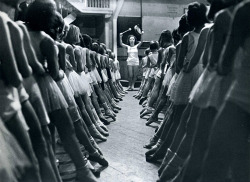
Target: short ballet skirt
[[117, 75], [76, 83], [185, 83], [51, 94], [12, 158], [86, 80], [147, 73], [10, 103], [97, 76], [153, 71], [104, 76], [68, 94], [35, 98], [172, 87], [201, 92], [93, 77], [168, 76], [158, 73], [113, 76], [23, 95], [219, 88]]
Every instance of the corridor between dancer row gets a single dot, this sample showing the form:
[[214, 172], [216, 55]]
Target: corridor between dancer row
[[124, 148]]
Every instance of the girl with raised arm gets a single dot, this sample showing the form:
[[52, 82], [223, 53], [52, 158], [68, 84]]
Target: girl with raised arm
[[133, 59]]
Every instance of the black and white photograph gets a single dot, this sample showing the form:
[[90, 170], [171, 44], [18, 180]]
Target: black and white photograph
[[124, 90]]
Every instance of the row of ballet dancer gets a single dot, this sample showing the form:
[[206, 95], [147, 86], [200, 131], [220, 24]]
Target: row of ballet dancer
[[200, 73], [52, 77]]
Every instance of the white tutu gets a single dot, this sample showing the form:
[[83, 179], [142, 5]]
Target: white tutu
[[86, 81], [168, 77], [147, 73], [153, 71], [51, 94], [97, 76], [76, 83], [219, 88], [104, 76], [112, 76], [199, 95], [68, 94], [117, 75], [185, 83], [93, 77], [171, 87]]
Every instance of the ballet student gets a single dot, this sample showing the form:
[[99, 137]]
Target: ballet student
[[40, 16], [133, 59]]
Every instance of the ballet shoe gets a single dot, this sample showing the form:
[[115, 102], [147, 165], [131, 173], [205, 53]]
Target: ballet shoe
[[151, 120], [102, 126], [117, 107], [151, 159], [154, 148], [145, 103], [109, 113], [96, 157], [84, 174], [117, 100], [153, 141], [115, 110], [155, 157], [146, 112], [104, 121], [102, 132], [169, 155], [142, 110], [120, 98], [95, 133], [142, 100], [113, 104]]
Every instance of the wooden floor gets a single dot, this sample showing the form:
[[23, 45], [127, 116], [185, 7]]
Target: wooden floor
[[124, 147]]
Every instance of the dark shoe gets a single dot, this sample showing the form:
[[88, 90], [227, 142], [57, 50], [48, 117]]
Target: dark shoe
[[152, 142], [146, 112], [151, 120], [152, 150], [96, 157], [142, 100], [104, 121]]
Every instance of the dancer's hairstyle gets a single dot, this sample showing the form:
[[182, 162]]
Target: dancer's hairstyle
[[57, 26], [154, 45], [86, 41], [73, 35], [95, 47], [196, 15], [184, 27], [109, 52], [130, 37], [101, 50], [40, 15], [165, 38]]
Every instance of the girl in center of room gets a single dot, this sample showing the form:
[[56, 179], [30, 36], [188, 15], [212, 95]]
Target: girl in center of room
[[133, 59]]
